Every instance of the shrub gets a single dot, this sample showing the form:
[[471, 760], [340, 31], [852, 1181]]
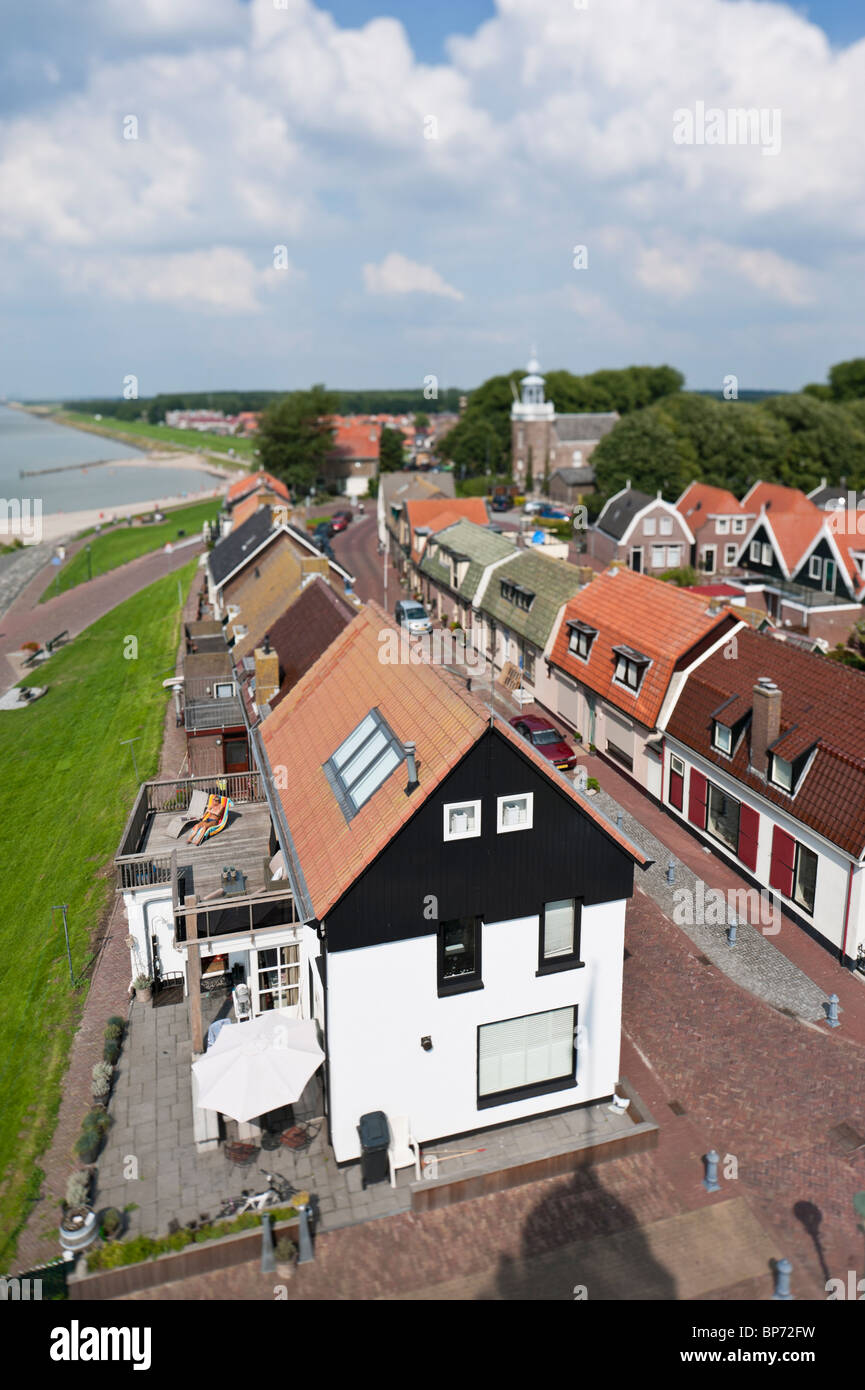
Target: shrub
[[115, 1021], [592, 784], [102, 1074], [88, 1144], [285, 1250], [111, 1224], [131, 1252], [78, 1189], [113, 1033], [111, 1051], [99, 1120]]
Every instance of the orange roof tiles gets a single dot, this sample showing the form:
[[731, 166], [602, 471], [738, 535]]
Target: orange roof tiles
[[422, 703], [246, 507], [659, 620], [437, 513], [777, 499], [794, 531], [356, 441], [251, 481]]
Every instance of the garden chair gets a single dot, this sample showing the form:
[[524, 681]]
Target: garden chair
[[197, 808], [403, 1151]]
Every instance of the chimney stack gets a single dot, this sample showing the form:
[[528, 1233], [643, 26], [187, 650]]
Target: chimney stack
[[765, 722], [411, 765], [266, 674]]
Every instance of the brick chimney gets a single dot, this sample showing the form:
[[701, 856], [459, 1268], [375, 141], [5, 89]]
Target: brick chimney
[[266, 673], [765, 722]]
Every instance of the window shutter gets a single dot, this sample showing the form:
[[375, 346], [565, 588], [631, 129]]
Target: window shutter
[[697, 799], [783, 859], [749, 828], [677, 789]]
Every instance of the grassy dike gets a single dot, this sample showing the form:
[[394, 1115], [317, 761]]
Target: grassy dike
[[141, 435], [65, 794]]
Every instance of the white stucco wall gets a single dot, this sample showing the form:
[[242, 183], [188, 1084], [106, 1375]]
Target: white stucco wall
[[382, 1000]]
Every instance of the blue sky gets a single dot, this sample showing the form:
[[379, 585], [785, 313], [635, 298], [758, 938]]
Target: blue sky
[[210, 193]]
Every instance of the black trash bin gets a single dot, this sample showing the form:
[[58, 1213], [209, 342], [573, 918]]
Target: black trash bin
[[374, 1138]]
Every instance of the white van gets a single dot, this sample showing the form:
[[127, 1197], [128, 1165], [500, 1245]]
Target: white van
[[411, 615]]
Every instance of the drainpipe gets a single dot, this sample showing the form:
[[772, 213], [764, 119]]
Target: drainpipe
[[847, 913]]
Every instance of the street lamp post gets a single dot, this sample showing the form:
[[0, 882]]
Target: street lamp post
[[62, 907]]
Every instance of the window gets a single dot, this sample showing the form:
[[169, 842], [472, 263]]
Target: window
[[630, 667], [782, 773], [515, 812], [659, 556], [528, 663], [363, 762], [559, 947], [577, 458], [674, 556], [276, 978], [805, 878], [650, 526], [722, 816], [665, 526], [722, 526], [462, 820], [730, 554], [722, 738], [459, 955], [815, 567], [580, 640], [517, 594], [766, 554], [754, 552], [677, 782], [223, 690], [522, 1057], [738, 526]]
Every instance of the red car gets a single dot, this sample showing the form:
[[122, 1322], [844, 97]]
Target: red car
[[546, 738], [339, 521]]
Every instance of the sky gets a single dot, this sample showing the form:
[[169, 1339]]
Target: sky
[[204, 194]]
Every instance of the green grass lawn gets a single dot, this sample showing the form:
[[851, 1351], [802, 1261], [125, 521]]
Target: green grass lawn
[[138, 432], [66, 791], [116, 547]]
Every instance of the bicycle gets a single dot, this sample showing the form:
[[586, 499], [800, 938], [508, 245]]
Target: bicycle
[[278, 1190]]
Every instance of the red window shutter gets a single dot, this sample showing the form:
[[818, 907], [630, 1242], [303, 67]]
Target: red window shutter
[[783, 859], [749, 827], [677, 790], [697, 799]]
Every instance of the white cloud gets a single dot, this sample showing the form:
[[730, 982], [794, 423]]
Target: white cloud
[[218, 278], [398, 275], [680, 270]]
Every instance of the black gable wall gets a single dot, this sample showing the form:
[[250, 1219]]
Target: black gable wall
[[496, 876]]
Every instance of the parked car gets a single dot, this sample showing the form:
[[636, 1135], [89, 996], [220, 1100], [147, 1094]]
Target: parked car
[[532, 508], [411, 615], [554, 513], [340, 520], [546, 738], [501, 504], [325, 529]]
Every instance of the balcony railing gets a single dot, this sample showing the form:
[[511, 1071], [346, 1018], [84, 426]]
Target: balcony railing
[[796, 593]]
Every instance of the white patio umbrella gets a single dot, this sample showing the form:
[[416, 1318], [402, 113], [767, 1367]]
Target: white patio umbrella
[[258, 1066]]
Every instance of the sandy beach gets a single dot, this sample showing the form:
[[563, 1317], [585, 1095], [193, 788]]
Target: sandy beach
[[57, 526]]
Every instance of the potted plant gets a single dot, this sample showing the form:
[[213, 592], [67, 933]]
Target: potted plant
[[111, 1225], [78, 1189], [592, 786], [111, 1051], [286, 1257], [143, 988], [102, 1074], [77, 1229]]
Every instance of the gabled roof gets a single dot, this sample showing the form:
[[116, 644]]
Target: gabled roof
[[421, 703], [700, 501], [355, 441], [266, 590], [791, 533], [245, 508], [438, 513], [776, 499], [238, 547], [617, 514], [584, 428], [822, 704], [402, 486], [241, 487], [659, 620], [573, 477], [306, 629], [482, 546], [552, 582]]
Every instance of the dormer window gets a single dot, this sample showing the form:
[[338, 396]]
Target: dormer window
[[631, 666], [722, 525], [782, 773], [722, 738], [517, 594], [580, 639]]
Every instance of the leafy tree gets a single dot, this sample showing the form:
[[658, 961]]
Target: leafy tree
[[390, 454], [847, 379], [295, 436], [421, 422], [474, 446], [645, 449], [683, 578]]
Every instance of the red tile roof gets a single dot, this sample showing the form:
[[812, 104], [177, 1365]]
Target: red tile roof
[[250, 482], [441, 512], [423, 703], [354, 441], [245, 508], [794, 531], [776, 499], [822, 705], [659, 620], [700, 501]]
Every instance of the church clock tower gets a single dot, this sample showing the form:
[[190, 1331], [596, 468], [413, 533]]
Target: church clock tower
[[531, 423]]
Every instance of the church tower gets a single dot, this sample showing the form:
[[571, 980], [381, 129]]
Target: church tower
[[531, 424]]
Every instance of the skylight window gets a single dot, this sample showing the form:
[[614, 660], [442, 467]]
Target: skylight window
[[363, 762]]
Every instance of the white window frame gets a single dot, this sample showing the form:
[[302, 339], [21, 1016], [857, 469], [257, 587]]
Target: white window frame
[[659, 564], [722, 526], [665, 526], [528, 798], [815, 567], [718, 741], [455, 806], [223, 690], [677, 765], [286, 990], [754, 553], [674, 557], [730, 552], [639, 668], [777, 781], [738, 526], [650, 526], [766, 555]]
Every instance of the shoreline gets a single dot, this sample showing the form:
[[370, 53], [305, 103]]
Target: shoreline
[[55, 527]]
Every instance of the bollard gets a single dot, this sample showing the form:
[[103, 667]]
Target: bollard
[[731, 931], [710, 1181], [268, 1258], [671, 871], [783, 1270], [305, 1250], [832, 1017], [618, 820]]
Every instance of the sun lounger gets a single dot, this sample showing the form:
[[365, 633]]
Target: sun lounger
[[197, 808], [214, 819]]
